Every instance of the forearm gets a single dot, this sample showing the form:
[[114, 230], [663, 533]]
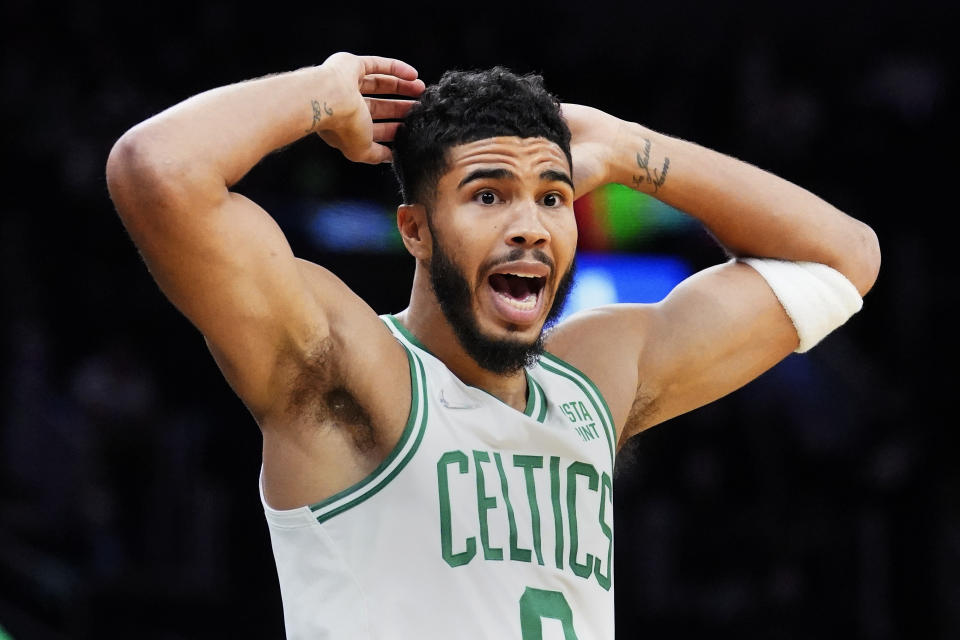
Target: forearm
[[210, 141], [749, 211]]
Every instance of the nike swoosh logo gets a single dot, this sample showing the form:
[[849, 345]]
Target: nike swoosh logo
[[455, 405]]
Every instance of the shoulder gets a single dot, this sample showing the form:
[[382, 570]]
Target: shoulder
[[606, 343]]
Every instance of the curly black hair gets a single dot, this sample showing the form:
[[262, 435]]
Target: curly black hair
[[466, 106]]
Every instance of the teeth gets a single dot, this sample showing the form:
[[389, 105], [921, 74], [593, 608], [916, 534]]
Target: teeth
[[522, 275], [526, 304]]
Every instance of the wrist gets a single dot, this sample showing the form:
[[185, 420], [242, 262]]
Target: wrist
[[644, 162], [323, 101], [335, 92]]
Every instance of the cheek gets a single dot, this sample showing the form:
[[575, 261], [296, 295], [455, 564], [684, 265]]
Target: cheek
[[565, 234], [574, 231], [464, 253], [474, 242]]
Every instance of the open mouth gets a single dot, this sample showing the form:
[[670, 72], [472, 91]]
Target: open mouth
[[521, 292]]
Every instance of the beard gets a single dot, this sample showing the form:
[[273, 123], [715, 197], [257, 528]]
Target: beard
[[500, 356]]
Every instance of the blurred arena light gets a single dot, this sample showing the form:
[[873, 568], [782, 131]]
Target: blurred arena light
[[607, 278], [354, 225], [617, 218]]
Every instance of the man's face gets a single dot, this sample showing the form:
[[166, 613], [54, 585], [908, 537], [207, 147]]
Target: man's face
[[504, 237]]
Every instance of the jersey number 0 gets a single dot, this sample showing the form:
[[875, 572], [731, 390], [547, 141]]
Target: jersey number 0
[[537, 604]]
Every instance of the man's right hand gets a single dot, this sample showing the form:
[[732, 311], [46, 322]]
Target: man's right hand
[[348, 120]]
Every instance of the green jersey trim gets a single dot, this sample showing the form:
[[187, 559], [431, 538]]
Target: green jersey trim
[[394, 463], [536, 406], [554, 364], [406, 333], [536, 400]]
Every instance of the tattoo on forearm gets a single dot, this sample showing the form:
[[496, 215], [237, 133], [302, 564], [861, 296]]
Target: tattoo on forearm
[[654, 176], [318, 113]]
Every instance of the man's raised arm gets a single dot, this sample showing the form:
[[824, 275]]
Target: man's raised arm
[[723, 326], [218, 256]]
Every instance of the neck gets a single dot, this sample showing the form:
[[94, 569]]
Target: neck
[[425, 320]]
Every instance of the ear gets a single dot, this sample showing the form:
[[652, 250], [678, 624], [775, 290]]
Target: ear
[[412, 223]]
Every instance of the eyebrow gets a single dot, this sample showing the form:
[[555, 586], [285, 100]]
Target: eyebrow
[[550, 175], [487, 174]]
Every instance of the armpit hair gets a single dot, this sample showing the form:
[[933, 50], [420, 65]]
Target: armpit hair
[[318, 391], [644, 404]]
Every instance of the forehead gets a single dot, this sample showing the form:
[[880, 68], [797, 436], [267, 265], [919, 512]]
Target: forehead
[[509, 152]]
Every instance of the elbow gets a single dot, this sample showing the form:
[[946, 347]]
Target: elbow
[[864, 260], [118, 164], [130, 157], [145, 177], [132, 172]]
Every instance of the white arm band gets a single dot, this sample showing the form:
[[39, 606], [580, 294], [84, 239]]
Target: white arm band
[[817, 298]]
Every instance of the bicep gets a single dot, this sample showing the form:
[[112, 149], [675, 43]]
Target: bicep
[[225, 263], [716, 331]]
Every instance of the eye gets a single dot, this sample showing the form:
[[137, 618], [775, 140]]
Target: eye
[[553, 200], [486, 197]]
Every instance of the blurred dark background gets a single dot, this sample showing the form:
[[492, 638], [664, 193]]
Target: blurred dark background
[[821, 501]]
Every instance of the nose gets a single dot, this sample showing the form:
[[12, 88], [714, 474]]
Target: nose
[[526, 229]]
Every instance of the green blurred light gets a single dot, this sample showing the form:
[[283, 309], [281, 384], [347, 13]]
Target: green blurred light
[[630, 217]]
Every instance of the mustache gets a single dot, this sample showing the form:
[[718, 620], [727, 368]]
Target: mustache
[[519, 254]]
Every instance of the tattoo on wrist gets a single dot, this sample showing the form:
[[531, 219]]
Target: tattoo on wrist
[[654, 176], [318, 112]]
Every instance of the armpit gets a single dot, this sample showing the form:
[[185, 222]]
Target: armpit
[[318, 391], [643, 407]]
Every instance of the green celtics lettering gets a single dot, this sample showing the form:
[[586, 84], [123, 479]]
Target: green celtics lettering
[[526, 508]]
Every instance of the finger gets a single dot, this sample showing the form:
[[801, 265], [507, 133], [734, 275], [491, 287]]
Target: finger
[[374, 154], [381, 109], [390, 85], [388, 66], [385, 131]]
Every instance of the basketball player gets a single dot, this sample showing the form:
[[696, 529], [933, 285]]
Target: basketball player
[[445, 472]]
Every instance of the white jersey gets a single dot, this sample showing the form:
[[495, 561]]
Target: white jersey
[[483, 522]]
